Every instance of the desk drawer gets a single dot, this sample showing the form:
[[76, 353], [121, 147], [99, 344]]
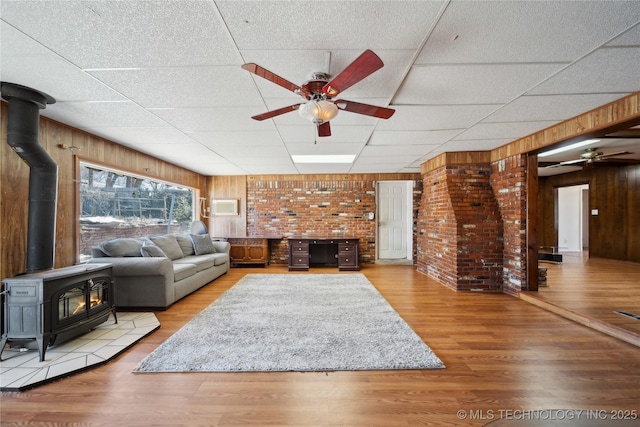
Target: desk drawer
[[347, 260], [299, 261], [346, 248], [300, 249]]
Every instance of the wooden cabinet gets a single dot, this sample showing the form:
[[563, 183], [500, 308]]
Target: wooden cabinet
[[305, 252], [249, 250]]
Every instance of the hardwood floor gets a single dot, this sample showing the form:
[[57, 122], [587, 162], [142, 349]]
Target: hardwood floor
[[502, 355], [590, 291]]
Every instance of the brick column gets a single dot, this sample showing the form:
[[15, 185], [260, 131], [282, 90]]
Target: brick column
[[460, 230], [508, 179]]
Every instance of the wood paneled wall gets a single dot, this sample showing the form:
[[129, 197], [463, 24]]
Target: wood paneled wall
[[14, 186], [225, 188], [615, 191]]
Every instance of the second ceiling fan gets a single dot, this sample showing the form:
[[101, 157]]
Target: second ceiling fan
[[591, 156], [319, 92]]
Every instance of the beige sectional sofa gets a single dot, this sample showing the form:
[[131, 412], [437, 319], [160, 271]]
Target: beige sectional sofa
[[155, 271]]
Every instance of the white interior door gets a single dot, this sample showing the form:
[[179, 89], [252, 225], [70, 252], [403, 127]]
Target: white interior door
[[570, 218], [394, 219]]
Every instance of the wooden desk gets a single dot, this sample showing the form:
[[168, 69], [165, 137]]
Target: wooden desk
[[307, 251]]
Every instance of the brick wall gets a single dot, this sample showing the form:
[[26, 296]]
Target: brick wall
[[291, 207], [508, 179], [460, 239]]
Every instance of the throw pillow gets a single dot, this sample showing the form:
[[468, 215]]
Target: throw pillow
[[169, 245], [121, 247], [152, 251], [186, 244], [202, 244]]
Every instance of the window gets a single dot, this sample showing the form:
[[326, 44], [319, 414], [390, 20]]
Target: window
[[116, 204]]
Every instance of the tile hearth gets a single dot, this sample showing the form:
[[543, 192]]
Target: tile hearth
[[20, 369]]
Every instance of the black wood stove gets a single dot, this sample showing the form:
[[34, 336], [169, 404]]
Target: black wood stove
[[57, 305]]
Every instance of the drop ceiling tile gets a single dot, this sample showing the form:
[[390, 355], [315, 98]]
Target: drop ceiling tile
[[471, 84], [322, 148], [510, 130], [241, 140], [16, 43], [381, 24], [266, 153], [102, 114], [62, 80], [182, 87], [137, 136], [250, 160], [271, 169], [368, 167], [525, 31], [238, 140], [308, 133], [549, 107], [179, 152], [412, 137], [604, 71], [193, 157], [389, 151], [630, 38], [213, 119], [435, 117], [392, 160], [118, 34]]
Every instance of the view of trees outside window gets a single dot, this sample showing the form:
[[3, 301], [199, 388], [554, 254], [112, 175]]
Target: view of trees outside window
[[114, 204]]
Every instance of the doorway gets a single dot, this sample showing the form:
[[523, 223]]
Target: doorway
[[394, 201], [573, 218]]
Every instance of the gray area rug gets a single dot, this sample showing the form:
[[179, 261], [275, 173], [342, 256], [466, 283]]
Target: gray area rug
[[294, 322]]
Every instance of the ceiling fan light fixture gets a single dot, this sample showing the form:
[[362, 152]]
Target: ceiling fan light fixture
[[568, 147], [318, 112]]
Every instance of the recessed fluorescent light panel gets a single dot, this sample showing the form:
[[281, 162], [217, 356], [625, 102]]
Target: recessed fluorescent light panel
[[328, 158], [568, 147]]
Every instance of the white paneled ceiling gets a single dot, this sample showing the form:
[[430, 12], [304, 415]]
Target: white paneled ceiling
[[164, 77]]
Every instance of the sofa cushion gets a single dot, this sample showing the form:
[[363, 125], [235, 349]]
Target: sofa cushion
[[152, 251], [182, 271], [220, 258], [202, 262], [186, 244], [169, 245], [121, 247], [202, 244]]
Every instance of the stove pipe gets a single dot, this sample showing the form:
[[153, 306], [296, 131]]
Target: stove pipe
[[22, 135]]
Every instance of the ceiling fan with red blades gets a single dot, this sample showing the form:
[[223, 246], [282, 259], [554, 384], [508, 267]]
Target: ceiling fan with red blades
[[319, 92], [593, 155]]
